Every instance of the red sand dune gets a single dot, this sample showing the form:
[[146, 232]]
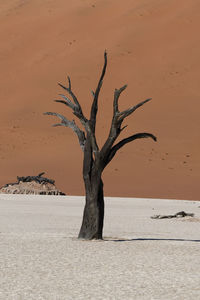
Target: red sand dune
[[153, 46]]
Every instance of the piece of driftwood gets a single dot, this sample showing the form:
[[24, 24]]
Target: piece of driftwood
[[180, 214], [36, 185]]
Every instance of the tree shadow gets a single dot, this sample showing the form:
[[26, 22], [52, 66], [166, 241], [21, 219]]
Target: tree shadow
[[150, 239]]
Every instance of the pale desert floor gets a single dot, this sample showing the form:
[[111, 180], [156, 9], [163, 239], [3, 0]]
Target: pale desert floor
[[140, 258]]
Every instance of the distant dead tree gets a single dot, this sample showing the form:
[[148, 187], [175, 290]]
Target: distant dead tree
[[95, 160]]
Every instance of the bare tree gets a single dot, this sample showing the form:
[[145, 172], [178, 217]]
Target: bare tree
[[95, 160]]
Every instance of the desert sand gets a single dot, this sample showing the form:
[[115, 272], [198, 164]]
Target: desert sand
[[139, 258], [153, 46]]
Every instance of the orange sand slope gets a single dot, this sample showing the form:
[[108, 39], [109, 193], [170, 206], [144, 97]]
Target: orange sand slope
[[153, 46]]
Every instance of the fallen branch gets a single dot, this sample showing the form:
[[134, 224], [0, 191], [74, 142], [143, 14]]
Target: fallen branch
[[180, 214]]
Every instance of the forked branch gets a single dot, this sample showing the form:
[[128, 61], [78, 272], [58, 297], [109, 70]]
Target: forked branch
[[76, 107], [116, 129], [71, 124]]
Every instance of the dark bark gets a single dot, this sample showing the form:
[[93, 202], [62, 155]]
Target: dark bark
[[93, 215], [95, 159]]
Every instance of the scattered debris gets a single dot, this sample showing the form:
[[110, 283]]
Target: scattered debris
[[36, 185], [180, 214], [37, 178]]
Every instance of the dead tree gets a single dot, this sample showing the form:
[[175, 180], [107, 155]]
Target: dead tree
[[95, 160]]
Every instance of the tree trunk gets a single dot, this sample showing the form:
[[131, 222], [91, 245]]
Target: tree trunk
[[93, 215]]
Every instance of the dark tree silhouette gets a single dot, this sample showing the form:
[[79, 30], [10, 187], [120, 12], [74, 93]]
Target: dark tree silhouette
[[95, 160]]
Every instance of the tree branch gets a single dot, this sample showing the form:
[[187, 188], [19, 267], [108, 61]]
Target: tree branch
[[94, 107], [67, 102], [77, 110], [125, 141], [115, 128], [116, 98], [117, 120], [129, 111], [71, 124]]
